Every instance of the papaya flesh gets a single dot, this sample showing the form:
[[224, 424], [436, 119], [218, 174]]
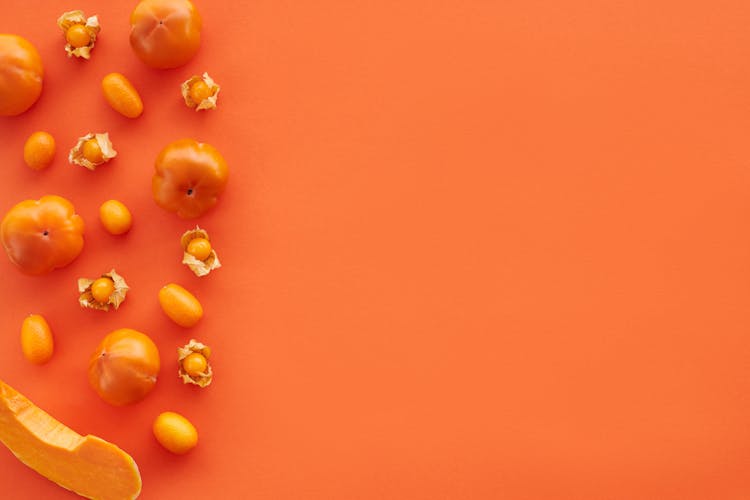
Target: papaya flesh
[[86, 465]]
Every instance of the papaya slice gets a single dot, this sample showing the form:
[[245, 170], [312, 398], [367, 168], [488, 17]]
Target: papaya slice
[[86, 465]]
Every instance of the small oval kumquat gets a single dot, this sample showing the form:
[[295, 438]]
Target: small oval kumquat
[[115, 217], [37, 343], [39, 150], [175, 433]]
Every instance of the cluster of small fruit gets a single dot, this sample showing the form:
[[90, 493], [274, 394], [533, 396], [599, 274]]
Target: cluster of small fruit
[[45, 234]]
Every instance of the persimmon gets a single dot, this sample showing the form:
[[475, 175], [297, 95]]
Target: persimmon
[[42, 235], [165, 33], [39, 150], [189, 177], [124, 367], [21, 75]]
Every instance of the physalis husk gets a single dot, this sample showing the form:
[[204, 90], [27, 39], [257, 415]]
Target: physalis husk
[[90, 290], [80, 33], [92, 150], [202, 352], [200, 267], [200, 92]]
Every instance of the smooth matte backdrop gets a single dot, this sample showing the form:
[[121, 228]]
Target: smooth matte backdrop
[[472, 249]]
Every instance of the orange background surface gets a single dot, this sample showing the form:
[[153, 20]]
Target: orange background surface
[[472, 249]]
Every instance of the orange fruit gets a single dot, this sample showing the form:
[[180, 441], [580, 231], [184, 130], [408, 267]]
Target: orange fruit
[[102, 289], [124, 367], [21, 74], [39, 150], [180, 305], [200, 248], [37, 343], [115, 217], [175, 433], [194, 364], [78, 36], [121, 95], [165, 33]]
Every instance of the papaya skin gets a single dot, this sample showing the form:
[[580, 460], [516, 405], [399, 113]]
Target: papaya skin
[[86, 465]]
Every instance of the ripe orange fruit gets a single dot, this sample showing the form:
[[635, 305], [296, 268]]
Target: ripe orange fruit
[[180, 305], [21, 74], [200, 248], [78, 36], [102, 289], [165, 33], [121, 95], [37, 343], [124, 367], [39, 150], [175, 433], [195, 364], [115, 217]]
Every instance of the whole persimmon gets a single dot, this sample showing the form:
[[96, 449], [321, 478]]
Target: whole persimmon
[[165, 33], [21, 74], [124, 367], [189, 176], [42, 235]]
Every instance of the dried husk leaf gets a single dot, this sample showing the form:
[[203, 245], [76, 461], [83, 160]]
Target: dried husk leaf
[[87, 300], [202, 379], [199, 267], [74, 17], [108, 151], [207, 103]]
